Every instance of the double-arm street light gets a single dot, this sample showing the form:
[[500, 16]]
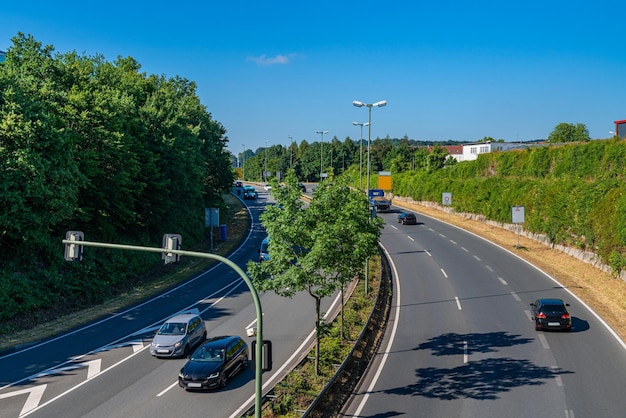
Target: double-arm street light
[[369, 129], [361, 151], [321, 155]]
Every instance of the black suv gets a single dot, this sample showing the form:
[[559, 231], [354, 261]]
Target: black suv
[[214, 363]]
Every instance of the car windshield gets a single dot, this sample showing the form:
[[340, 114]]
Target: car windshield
[[173, 328], [208, 354]]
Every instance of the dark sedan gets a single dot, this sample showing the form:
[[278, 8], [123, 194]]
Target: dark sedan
[[551, 314], [407, 218], [214, 363]]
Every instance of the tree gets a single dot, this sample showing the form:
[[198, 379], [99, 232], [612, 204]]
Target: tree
[[316, 249], [569, 132]]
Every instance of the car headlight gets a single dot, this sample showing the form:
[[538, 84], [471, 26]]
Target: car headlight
[[177, 345], [181, 374], [214, 375]]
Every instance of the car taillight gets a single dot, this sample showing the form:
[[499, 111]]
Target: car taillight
[[541, 315], [565, 316]]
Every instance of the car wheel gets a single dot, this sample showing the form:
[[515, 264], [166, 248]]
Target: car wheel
[[186, 351], [223, 381], [203, 336]]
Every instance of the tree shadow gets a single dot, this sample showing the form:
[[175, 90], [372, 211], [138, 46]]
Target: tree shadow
[[453, 344], [480, 380]]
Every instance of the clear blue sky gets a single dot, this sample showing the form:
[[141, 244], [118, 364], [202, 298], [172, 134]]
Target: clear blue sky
[[459, 70]]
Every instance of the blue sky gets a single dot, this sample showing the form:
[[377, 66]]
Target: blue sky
[[448, 70]]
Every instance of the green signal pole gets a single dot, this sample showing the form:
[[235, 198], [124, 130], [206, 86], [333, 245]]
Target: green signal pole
[[242, 274]]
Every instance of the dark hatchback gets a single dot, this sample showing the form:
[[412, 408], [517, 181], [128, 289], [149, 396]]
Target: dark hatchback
[[214, 363], [551, 314], [407, 218]]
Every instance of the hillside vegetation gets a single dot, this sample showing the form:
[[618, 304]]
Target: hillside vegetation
[[574, 193]]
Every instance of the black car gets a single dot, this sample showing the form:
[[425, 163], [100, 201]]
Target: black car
[[302, 187], [551, 314], [238, 184], [214, 363], [407, 218]]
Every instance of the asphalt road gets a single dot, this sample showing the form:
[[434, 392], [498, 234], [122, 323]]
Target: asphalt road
[[105, 369], [461, 343]]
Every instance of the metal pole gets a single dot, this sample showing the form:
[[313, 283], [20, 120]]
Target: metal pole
[[361, 159], [242, 274], [243, 159]]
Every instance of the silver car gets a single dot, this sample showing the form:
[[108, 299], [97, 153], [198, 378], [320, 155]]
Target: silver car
[[178, 335]]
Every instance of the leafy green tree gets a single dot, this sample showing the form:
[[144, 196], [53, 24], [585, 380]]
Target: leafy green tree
[[318, 248], [569, 132]]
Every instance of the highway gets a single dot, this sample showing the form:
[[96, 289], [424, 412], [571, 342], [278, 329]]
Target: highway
[[461, 343], [105, 369]]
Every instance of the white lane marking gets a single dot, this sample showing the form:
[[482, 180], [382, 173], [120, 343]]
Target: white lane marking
[[465, 249], [428, 252], [34, 397], [444, 273], [394, 227], [93, 368], [411, 238], [557, 377], [442, 236], [477, 258], [569, 413], [465, 354], [458, 303], [452, 241], [82, 383], [516, 296], [502, 281], [391, 338], [488, 267], [544, 341], [167, 389], [528, 315], [136, 346]]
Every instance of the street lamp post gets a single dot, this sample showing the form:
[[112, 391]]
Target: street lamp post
[[243, 161], [265, 169], [369, 130], [361, 152], [369, 137], [290, 151], [321, 155]]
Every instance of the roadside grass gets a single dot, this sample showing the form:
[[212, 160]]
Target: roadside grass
[[159, 279]]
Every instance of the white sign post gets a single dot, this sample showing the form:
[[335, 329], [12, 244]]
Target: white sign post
[[446, 200], [517, 216]]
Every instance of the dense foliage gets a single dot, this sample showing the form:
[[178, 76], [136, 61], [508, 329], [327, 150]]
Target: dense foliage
[[575, 193], [100, 147]]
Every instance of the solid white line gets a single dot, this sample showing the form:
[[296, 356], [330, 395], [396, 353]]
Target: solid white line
[[167, 389], [34, 397], [458, 303], [392, 337]]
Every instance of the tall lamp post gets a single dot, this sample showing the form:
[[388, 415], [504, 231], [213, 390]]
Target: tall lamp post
[[369, 129], [321, 155], [290, 151], [243, 161], [369, 137], [265, 169], [361, 152]]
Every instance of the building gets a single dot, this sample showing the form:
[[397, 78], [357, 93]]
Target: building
[[2, 55], [620, 128], [473, 150]]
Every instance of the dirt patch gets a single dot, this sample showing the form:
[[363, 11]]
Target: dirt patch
[[604, 293]]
